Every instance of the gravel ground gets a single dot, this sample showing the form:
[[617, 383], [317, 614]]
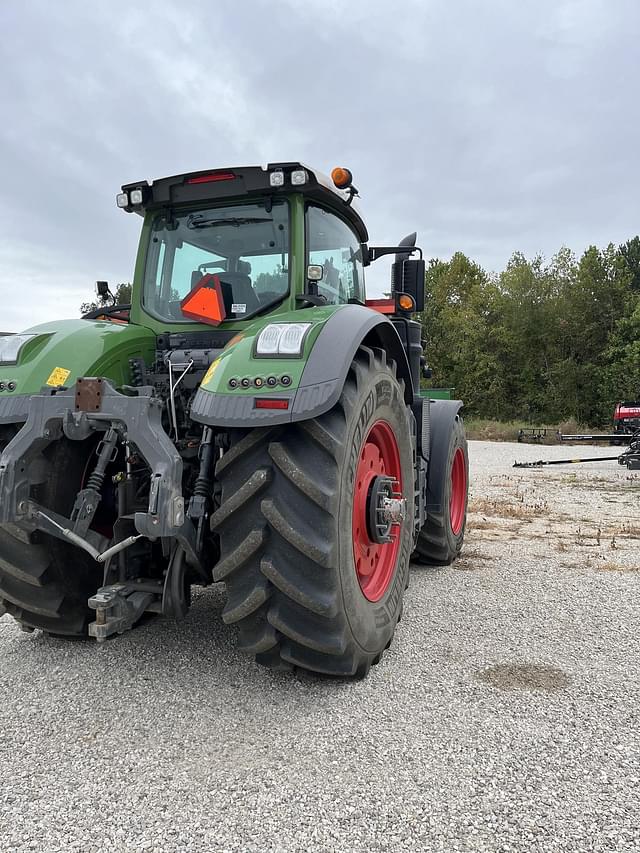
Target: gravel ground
[[504, 717]]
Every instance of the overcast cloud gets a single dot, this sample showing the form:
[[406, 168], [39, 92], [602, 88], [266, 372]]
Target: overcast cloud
[[488, 126]]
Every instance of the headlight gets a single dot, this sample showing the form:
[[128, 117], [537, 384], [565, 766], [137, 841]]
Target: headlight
[[10, 347], [279, 339]]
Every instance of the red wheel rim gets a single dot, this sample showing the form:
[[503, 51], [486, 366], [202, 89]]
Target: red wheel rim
[[458, 500], [375, 563]]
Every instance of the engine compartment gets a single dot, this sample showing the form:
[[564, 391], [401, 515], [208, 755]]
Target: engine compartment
[[180, 363]]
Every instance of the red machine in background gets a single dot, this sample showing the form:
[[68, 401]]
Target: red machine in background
[[626, 417]]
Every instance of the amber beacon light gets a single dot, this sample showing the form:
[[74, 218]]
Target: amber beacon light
[[406, 302], [341, 177]]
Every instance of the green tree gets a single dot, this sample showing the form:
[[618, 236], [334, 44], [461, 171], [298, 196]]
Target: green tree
[[541, 341], [456, 324], [630, 251]]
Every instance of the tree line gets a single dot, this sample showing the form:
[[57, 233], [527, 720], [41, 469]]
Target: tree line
[[541, 341]]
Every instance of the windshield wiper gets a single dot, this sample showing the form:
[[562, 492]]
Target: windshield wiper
[[199, 221]]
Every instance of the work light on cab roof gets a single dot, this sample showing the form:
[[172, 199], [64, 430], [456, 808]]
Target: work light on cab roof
[[133, 198]]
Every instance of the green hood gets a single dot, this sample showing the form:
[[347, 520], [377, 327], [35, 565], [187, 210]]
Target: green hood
[[63, 350]]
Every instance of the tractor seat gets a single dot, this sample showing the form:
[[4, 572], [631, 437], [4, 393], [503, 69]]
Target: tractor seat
[[238, 290]]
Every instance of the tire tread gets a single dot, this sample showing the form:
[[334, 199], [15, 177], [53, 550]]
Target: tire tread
[[278, 557]]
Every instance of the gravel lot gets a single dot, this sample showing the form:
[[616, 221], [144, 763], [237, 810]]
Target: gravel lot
[[504, 717]]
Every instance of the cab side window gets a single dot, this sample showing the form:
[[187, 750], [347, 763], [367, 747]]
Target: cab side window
[[332, 244]]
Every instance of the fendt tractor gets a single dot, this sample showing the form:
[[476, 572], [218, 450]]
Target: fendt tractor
[[249, 419]]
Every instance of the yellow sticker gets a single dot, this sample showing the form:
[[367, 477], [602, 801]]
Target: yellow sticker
[[58, 377], [212, 369]]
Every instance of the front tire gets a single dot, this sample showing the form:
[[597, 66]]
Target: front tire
[[301, 587], [44, 582]]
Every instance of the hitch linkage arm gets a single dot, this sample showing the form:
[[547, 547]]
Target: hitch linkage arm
[[87, 500]]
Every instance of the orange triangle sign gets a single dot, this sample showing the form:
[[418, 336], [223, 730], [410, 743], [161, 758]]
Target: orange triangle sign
[[205, 302]]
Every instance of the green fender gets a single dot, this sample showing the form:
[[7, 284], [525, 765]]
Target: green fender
[[314, 382]]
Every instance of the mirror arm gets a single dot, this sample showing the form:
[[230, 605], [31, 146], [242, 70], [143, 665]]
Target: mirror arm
[[310, 299], [372, 253]]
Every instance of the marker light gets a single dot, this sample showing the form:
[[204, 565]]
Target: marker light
[[211, 178], [341, 177], [136, 196], [281, 339], [299, 177], [270, 403], [122, 200], [10, 347], [276, 178], [406, 302]]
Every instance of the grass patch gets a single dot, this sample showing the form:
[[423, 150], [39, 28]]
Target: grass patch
[[628, 529], [506, 509], [480, 429], [610, 566]]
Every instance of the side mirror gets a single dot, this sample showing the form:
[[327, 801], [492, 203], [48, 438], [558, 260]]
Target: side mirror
[[102, 289], [407, 276]]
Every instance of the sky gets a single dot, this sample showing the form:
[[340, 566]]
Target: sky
[[489, 126]]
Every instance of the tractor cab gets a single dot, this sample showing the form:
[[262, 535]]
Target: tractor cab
[[236, 231]]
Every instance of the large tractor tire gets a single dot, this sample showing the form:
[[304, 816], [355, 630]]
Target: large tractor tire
[[440, 539], [44, 582], [306, 584]]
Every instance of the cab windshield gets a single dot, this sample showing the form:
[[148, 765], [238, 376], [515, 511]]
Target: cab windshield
[[246, 245]]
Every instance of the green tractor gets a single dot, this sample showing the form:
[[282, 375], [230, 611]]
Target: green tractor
[[251, 419]]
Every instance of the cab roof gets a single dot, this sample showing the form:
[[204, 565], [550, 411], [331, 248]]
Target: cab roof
[[238, 182]]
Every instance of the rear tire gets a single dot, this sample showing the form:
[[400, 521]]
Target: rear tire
[[440, 539], [286, 525], [44, 582]]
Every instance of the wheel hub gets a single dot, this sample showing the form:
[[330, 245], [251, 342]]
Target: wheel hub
[[379, 510], [386, 508]]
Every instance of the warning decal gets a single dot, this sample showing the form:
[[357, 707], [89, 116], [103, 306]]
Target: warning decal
[[212, 369], [58, 377]]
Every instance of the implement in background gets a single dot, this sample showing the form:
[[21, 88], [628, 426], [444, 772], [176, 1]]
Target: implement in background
[[629, 457]]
